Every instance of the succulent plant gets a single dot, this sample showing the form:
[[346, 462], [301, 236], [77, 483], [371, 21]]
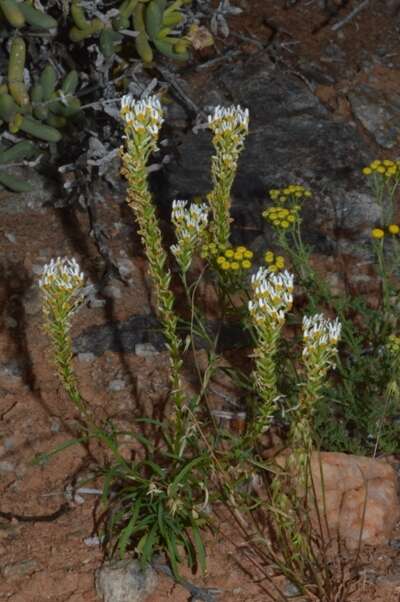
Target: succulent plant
[[39, 112], [153, 20], [17, 152], [42, 109], [19, 14], [26, 113]]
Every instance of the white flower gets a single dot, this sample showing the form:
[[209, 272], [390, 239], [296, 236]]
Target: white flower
[[272, 296], [189, 222], [142, 116], [190, 225], [229, 119], [62, 273], [319, 332]]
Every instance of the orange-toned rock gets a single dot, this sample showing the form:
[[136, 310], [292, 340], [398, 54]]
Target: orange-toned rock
[[360, 494]]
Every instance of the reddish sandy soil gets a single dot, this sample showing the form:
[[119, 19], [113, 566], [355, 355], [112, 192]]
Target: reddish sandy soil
[[50, 560]]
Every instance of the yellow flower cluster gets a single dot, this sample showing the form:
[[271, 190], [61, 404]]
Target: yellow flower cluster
[[293, 190], [393, 344], [210, 250], [379, 233], [235, 259], [274, 262], [281, 217], [385, 168]]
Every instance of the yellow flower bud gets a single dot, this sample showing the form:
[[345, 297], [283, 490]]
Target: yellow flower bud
[[377, 233]]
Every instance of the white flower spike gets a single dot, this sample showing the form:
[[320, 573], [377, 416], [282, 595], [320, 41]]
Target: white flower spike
[[228, 119], [272, 295], [190, 225], [62, 273], [142, 116], [319, 333]]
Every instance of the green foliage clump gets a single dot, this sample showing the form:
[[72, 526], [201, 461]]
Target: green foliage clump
[[20, 14], [40, 112], [43, 110], [152, 20]]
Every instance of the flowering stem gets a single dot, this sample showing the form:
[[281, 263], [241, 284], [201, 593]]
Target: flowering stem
[[230, 127], [143, 120], [61, 286], [272, 298], [320, 339]]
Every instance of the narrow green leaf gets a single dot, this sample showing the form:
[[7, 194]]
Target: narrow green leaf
[[45, 457], [181, 475], [200, 549], [128, 530]]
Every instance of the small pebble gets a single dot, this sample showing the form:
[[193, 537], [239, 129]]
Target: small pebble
[[93, 541], [55, 425], [9, 443], [290, 589], [37, 269], [10, 322], [18, 569], [112, 292], [7, 466], [11, 237], [145, 350], [86, 357], [117, 385]]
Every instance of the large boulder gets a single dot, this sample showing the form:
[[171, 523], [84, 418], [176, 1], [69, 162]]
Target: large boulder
[[361, 498], [292, 138]]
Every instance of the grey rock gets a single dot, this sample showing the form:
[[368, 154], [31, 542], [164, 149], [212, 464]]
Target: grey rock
[[378, 113], [9, 443], [13, 370], [86, 357], [10, 322], [292, 138], [37, 269], [120, 336], [112, 291], [14, 203], [124, 581], [10, 236], [6, 466], [145, 350], [126, 267], [19, 569], [55, 425], [144, 333], [290, 589], [117, 385], [177, 115], [32, 300]]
